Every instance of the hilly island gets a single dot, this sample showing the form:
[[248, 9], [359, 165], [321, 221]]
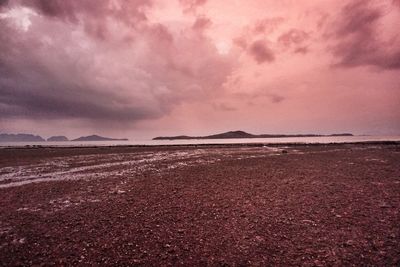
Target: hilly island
[[98, 138], [242, 134], [59, 138]]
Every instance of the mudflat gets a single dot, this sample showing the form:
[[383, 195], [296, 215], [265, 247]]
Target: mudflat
[[312, 205]]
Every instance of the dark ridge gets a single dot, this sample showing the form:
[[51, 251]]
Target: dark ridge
[[60, 138], [242, 134], [97, 138], [20, 138]]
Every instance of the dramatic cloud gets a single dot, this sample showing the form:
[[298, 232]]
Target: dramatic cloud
[[126, 11], [363, 38], [261, 52], [154, 67], [64, 71]]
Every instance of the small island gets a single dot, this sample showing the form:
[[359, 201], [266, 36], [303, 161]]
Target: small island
[[242, 134], [59, 138], [20, 138], [97, 138]]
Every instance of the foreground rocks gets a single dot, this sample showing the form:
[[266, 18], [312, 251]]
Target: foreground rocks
[[314, 205]]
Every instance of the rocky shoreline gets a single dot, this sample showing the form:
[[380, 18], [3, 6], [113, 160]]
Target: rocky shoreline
[[201, 205]]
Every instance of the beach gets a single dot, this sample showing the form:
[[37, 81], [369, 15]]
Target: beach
[[237, 204]]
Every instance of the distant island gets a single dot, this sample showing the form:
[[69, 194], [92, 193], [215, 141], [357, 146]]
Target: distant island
[[60, 138], [20, 138], [97, 138], [242, 134]]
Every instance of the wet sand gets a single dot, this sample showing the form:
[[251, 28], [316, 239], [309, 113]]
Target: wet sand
[[312, 205]]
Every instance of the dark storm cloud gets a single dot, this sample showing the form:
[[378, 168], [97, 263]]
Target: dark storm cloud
[[128, 11], [261, 52], [30, 89], [76, 104], [69, 65], [93, 14], [55, 8], [359, 40], [3, 3]]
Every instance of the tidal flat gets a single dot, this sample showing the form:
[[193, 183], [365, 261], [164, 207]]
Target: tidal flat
[[250, 204]]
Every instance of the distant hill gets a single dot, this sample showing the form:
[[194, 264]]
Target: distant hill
[[97, 138], [60, 138], [231, 134], [242, 134], [20, 138]]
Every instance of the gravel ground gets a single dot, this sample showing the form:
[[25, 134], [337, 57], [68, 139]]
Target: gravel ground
[[310, 205]]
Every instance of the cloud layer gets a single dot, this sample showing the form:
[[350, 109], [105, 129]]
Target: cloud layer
[[362, 38], [69, 63], [158, 66]]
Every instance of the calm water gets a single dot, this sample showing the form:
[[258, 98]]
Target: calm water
[[312, 140]]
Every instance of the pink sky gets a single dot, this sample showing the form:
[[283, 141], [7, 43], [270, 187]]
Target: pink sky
[[144, 68]]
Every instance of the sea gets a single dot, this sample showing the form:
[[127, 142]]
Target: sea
[[286, 140]]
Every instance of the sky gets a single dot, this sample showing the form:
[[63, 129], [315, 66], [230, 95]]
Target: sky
[[144, 68]]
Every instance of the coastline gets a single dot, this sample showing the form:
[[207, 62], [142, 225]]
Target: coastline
[[194, 145]]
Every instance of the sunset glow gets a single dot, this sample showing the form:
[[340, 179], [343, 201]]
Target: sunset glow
[[144, 68]]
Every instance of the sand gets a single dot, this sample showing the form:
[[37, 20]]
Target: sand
[[312, 205]]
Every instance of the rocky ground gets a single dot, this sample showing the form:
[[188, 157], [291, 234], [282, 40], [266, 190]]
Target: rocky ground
[[312, 205]]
